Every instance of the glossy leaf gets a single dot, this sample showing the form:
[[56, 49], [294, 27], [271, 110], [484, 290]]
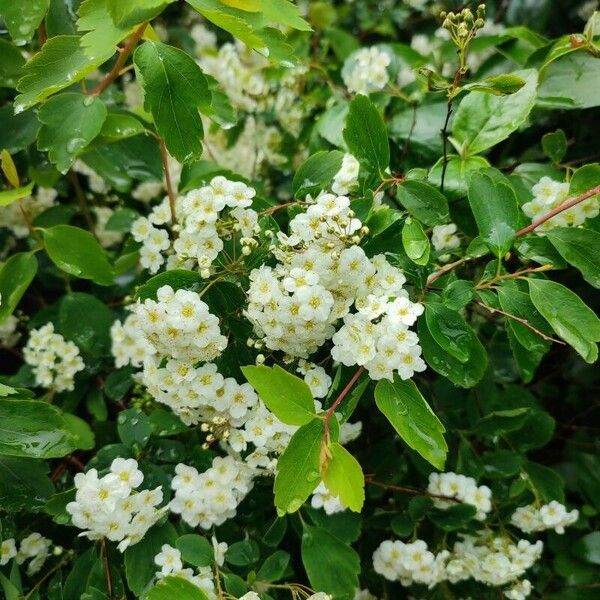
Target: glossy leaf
[[174, 586], [415, 242], [580, 248], [423, 202], [405, 408], [23, 23], [316, 173], [195, 550], [450, 330], [343, 477], [11, 63], [15, 276], [24, 483]]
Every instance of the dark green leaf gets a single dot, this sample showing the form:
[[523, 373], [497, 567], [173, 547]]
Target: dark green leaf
[[555, 145], [316, 173], [274, 566], [24, 483], [195, 550], [133, 427], [424, 202], [15, 276], [580, 248]]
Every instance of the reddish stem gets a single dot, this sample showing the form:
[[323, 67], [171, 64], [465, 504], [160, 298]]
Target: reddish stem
[[339, 399]]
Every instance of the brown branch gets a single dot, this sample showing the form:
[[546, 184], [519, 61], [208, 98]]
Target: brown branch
[[341, 396], [445, 269], [516, 275], [409, 490], [524, 322], [121, 60], [170, 192], [42, 35], [564, 206]]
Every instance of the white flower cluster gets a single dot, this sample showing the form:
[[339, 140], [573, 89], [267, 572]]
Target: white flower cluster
[[170, 562], [9, 335], [547, 195], [54, 360], [210, 498], [519, 591], [11, 216], [110, 506], [321, 275], [201, 225], [35, 548], [323, 498], [317, 596], [128, 346], [548, 516], [365, 70], [494, 561], [179, 325], [345, 179], [443, 237], [462, 488]]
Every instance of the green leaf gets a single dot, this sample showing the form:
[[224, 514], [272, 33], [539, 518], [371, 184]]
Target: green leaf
[[502, 421], [76, 251], [588, 547], [17, 132], [24, 483], [571, 319], [134, 428], [456, 516], [483, 120], [316, 173], [450, 330], [298, 468], [139, 570], [423, 202], [70, 121], [102, 35], [465, 374], [195, 550], [22, 21], [580, 248], [59, 64], [15, 276], [132, 12], [458, 294], [415, 242], [283, 12], [175, 90], [274, 566], [498, 85], [11, 63], [554, 145], [172, 587], [546, 481], [495, 209], [458, 173], [344, 478], [284, 394], [242, 554], [331, 565], [85, 320], [584, 179], [119, 126], [35, 429], [9, 196], [410, 415], [177, 279], [501, 464], [366, 136]]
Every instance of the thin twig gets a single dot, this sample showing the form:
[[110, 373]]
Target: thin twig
[[445, 269], [409, 490], [564, 206], [524, 322], [106, 563], [444, 132], [492, 282], [121, 60], [85, 211], [168, 183], [337, 401], [42, 36]]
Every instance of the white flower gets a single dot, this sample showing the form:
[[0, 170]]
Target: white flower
[[444, 237], [365, 70], [168, 559], [8, 550]]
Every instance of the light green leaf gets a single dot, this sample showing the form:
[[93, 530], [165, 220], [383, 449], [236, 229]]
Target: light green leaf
[[132, 12], [35, 429], [465, 374], [284, 12], [366, 136], [59, 64], [483, 120], [9, 196], [423, 202], [15, 276], [284, 394], [175, 90], [567, 314], [76, 251], [415, 242], [458, 173], [172, 587], [405, 408], [499, 85], [554, 145], [11, 63], [332, 566], [580, 248], [70, 121], [102, 35], [24, 483], [495, 209], [196, 550], [22, 20], [298, 468], [450, 330], [316, 173], [343, 477], [584, 179]]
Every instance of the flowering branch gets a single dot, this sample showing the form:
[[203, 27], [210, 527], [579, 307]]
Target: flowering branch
[[339, 399], [121, 60], [555, 211]]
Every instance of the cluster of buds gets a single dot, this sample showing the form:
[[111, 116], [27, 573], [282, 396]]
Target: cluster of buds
[[217, 429], [463, 26]]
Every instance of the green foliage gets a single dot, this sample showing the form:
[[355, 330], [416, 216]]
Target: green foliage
[[175, 587], [15, 276]]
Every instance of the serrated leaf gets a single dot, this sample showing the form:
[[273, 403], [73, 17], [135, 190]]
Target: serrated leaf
[[409, 414], [298, 467], [316, 173], [424, 202], [23, 21], [70, 121], [284, 394], [132, 12], [343, 477], [580, 248], [450, 330], [102, 35], [175, 90]]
